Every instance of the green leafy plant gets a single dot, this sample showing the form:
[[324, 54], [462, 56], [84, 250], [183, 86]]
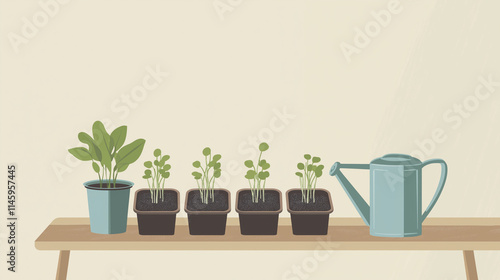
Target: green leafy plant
[[158, 172], [257, 178], [309, 176], [209, 172], [107, 153]]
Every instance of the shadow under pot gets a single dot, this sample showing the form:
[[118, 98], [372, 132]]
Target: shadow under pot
[[259, 218], [156, 218], [207, 218], [309, 218]]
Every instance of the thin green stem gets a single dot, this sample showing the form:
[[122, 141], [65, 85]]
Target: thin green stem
[[99, 175], [264, 191], [314, 189], [150, 190]]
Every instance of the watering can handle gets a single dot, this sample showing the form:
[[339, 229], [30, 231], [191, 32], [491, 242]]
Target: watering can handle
[[444, 173]]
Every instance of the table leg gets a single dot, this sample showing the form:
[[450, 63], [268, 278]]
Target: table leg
[[470, 265], [62, 265]]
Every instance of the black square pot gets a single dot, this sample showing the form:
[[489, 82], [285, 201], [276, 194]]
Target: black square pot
[[154, 222], [307, 220], [258, 222], [207, 221]]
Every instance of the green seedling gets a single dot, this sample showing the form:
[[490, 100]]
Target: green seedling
[[107, 153], [209, 172], [257, 177], [309, 176], [156, 174]]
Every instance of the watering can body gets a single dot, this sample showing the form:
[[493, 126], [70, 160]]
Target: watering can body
[[395, 194]]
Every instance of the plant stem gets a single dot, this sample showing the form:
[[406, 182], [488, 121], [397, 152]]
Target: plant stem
[[257, 175], [100, 180], [150, 190], [314, 189], [264, 191], [163, 190], [199, 187]]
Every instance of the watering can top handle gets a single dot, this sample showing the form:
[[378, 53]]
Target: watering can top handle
[[442, 180]]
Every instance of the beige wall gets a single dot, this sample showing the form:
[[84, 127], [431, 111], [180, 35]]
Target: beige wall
[[231, 76]]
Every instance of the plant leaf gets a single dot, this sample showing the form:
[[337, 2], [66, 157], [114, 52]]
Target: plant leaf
[[217, 165], [309, 167], [207, 151], [249, 163], [300, 166], [96, 167], [165, 175], [93, 149], [299, 174], [118, 136], [128, 154], [112, 144], [121, 167], [318, 173], [217, 173], [307, 156], [85, 138], [316, 159], [103, 141], [147, 172], [81, 153], [197, 164], [217, 157], [101, 137], [197, 175], [148, 164], [167, 167], [250, 174], [157, 153], [165, 158], [156, 162], [211, 163], [262, 175], [266, 166], [263, 147]]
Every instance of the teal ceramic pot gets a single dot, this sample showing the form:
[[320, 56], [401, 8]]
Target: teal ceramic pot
[[108, 207]]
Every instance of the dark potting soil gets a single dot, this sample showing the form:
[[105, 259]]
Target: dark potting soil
[[272, 202], [322, 202], [220, 202], [169, 203], [105, 186]]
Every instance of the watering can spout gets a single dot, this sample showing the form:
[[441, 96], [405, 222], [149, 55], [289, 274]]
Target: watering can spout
[[357, 200]]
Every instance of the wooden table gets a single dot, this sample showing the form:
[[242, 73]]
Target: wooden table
[[463, 234]]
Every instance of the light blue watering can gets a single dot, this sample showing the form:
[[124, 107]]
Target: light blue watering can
[[395, 194]]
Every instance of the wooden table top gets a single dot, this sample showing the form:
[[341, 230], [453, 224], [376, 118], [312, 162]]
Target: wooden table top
[[343, 234]]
